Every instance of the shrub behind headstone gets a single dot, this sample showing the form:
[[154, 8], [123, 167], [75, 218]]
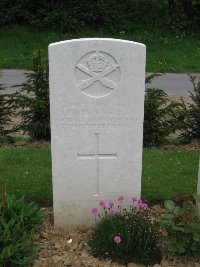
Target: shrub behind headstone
[[33, 101], [6, 110], [158, 122], [188, 115]]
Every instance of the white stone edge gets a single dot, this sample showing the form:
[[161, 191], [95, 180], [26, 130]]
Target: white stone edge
[[95, 39]]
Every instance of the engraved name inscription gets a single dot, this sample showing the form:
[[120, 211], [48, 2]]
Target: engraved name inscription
[[97, 115]]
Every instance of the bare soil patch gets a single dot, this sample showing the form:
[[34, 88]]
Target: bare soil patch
[[64, 247], [59, 247]]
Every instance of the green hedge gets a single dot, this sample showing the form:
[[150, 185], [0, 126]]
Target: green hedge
[[70, 16]]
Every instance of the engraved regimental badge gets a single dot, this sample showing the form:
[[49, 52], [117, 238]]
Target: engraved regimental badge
[[97, 74]]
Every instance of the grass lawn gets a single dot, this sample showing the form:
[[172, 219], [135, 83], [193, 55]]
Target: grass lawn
[[28, 172], [173, 52], [166, 173]]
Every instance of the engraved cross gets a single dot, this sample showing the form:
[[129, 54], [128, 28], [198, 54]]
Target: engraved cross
[[97, 156]]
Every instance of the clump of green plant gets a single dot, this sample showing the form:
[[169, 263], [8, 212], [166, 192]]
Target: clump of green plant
[[124, 235], [18, 223], [188, 115], [32, 101], [158, 119], [6, 111], [181, 227]]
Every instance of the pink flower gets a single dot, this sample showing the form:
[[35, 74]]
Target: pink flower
[[117, 239], [126, 217], [135, 199], [110, 204], [112, 211], [102, 204], [120, 198], [140, 204], [94, 210], [143, 205]]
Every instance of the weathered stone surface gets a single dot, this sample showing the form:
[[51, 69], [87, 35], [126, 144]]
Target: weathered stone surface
[[97, 101]]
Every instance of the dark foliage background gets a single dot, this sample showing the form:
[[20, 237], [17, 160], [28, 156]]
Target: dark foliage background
[[114, 15]]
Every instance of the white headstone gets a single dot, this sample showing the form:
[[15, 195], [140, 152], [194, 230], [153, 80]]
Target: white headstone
[[97, 101]]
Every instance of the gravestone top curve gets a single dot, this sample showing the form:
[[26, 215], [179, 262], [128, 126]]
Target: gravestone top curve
[[95, 39]]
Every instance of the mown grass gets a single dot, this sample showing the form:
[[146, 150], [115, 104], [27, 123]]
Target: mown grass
[[27, 172], [166, 173], [168, 50]]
